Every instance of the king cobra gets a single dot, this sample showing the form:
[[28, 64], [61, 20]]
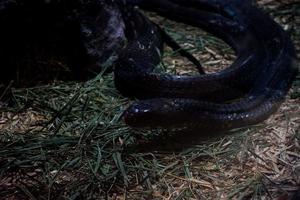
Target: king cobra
[[245, 93]]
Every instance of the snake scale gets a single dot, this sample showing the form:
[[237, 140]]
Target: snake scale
[[256, 83], [245, 93]]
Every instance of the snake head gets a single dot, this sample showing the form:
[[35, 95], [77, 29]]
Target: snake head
[[160, 112]]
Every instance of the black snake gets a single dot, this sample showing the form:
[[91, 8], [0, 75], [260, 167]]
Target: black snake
[[256, 83], [245, 93]]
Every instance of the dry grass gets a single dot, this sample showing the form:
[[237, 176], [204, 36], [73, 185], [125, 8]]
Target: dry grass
[[67, 141]]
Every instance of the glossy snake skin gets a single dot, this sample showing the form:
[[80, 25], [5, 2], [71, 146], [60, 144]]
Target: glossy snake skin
[[245, 93], [255, 84]]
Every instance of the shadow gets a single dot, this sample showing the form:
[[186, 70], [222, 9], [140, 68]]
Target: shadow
[[41, 44], [176, 140]]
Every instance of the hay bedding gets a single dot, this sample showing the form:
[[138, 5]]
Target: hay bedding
[[66, 140]]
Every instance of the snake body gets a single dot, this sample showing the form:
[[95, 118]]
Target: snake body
[[245, 93], [214, 87], [175, 101]]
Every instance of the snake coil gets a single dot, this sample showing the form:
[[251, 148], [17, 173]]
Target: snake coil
[[245, 93], [255, 84]]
